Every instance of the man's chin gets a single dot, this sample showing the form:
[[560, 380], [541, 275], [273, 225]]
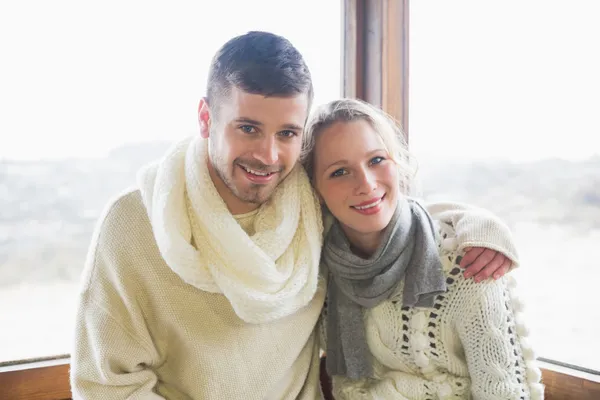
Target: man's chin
[[255, 195]]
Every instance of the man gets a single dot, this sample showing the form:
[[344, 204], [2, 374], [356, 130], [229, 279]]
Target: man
[[204, 282]]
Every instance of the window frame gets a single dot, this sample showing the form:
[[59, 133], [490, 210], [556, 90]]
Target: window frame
[[375, 68]]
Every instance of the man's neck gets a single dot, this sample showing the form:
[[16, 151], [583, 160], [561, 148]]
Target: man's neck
[[241, 208]]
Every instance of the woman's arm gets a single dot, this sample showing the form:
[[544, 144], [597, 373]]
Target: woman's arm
[[501, 363], [485, 239]]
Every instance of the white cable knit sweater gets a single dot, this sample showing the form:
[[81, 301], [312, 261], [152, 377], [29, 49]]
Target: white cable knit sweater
[[472, 344]]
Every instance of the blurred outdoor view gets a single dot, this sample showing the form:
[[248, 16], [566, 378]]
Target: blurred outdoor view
[[504, 99]]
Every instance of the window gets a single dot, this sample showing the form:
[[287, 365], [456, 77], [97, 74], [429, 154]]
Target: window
[[90, 92], [504, 101]]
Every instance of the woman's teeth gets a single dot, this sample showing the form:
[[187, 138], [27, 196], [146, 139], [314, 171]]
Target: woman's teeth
[[368, 205]]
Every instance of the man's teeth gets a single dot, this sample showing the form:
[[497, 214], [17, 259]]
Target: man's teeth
[[368, 205], [256, 172]]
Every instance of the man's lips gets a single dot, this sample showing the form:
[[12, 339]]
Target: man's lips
[[258, 176], [257, 172]]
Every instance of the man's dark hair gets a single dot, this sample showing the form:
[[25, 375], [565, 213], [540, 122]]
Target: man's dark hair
[[258, 63]]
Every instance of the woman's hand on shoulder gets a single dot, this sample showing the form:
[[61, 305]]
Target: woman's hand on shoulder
[[482, 263]]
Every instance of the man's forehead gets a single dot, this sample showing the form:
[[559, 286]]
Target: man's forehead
[[290, 110]]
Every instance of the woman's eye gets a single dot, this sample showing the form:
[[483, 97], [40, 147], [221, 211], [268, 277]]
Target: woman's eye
[[377, 160], [338, 172]]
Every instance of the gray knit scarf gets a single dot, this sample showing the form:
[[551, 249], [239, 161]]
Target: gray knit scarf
[[408, 251]]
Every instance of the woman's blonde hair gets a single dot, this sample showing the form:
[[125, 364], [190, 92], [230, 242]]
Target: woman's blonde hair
[[349, 110]]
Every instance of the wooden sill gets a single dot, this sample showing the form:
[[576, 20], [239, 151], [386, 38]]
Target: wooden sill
[[49, 380], [569, 384], [40, 380]]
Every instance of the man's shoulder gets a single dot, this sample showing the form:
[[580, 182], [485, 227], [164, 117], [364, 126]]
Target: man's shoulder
[[122, 233], [123, 226], [123, 212]]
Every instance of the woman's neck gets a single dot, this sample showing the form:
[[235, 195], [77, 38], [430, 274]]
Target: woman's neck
[[363, 244]]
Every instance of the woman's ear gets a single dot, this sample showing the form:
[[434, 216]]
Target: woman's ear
[[321, 201]]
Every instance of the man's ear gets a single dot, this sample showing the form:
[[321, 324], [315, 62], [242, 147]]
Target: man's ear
[[204, 118]]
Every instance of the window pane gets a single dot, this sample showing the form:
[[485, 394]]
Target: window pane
[[90, 92], [504, 100]]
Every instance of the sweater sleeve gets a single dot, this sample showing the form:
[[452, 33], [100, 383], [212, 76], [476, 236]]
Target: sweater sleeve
[[501, 362], [475, 227], [113, 352], [107, 361]]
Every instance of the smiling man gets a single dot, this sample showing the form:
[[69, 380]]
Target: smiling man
[[255, 140], [204, 283]]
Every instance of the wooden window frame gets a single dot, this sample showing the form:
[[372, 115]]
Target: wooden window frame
[[375, 69], [375, 55]]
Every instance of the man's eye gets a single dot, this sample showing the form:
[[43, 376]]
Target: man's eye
[[247, 128], [288, 134]]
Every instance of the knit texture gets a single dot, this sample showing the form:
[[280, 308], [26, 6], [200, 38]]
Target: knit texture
[[272, 273], [472, 344], [144, 333], [475, 227], [407, 252]]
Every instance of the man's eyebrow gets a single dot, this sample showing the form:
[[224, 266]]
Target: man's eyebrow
[[248, 121], [245, 120], [292, 127]]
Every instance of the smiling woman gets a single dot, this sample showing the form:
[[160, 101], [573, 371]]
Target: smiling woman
[[358, 180], [401, 318]]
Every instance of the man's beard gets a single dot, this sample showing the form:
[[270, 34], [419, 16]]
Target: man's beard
[[254, 194]]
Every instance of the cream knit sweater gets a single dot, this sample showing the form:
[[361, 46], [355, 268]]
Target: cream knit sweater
[[143, 333], [471, 344]]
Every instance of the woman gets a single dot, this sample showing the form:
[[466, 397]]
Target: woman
[[401, 320]]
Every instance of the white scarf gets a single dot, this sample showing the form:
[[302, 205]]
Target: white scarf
[[267, 276]]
